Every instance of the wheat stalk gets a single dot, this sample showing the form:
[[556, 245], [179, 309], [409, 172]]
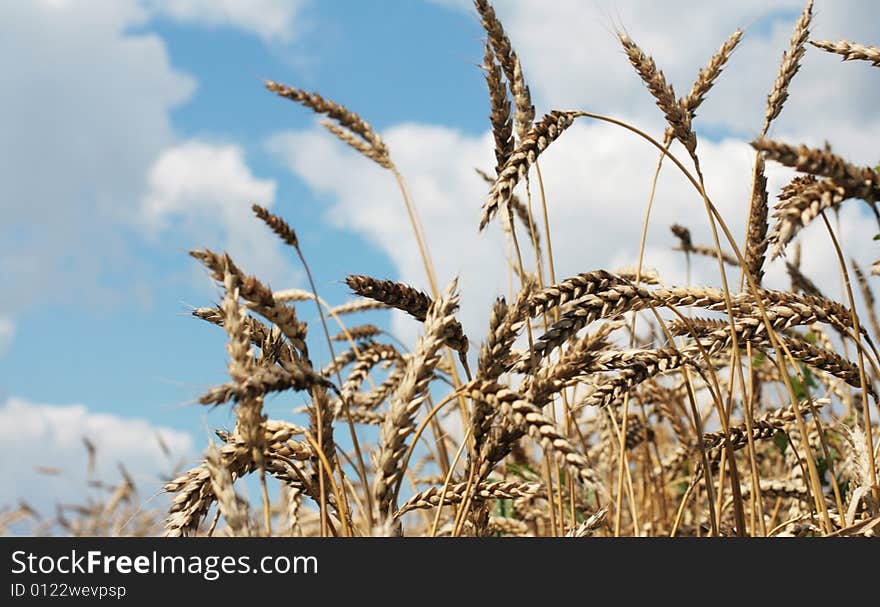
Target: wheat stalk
[[850, 50]]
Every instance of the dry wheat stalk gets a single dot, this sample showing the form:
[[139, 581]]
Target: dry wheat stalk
[[510, 64], [262, 298], [801, 282], [773, 488], [277, 225], [264, 380], [589, 526], [524, 413], [678, 117], [495, 359], [194, 493], [684, 236], [520, 210], [572, 289], [782, 309], [856, 466], [339, 113], [345, 358], [867, 295], [358, 305], [279, 435], [379, 156], [455, 494], [504, 324], [641, 366], [647, 276], [193, 490], [320, 407], [850, 50], [705, 251], [789, 66], [393, 294], [399, 422], [707, 76], [762, 428], [406, 298], [249, 410], [637, 432], [358, 333], [374, 398], [293, 295], [542, 134], [715, 337], [232, 506], [368, 358], [799, 203], [755, 251], [499, 115], [508, 526], [858, 182], [592, 353], [260, 335]]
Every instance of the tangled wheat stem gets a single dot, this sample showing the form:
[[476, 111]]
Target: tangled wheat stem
[[866, 408], [344, 515], [324, 426], [447, 480], [421, 429], [428, 263], [811, 464], [756, 219]]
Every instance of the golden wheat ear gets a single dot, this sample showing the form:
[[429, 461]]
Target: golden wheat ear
[[850, 51]]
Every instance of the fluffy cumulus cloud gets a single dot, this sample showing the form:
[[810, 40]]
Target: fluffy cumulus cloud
[[597, 177], [205, 191], [50, 438], [438, 163], [87, 104], [90, 137], [572, 59], [269, 19]]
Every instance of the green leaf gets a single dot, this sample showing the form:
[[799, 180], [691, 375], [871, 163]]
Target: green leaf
[[800, 392], [523, 471], [822, 468], [808, 377], [802, 389], [502, 508], [780, 439]]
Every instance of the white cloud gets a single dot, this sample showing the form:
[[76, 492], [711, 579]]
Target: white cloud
[[87, 109], [41, 435], [597, 179], [269, 19], [7, 334], [439, 165], [206, 190], [572, 59], [197, 176], [597, 176]]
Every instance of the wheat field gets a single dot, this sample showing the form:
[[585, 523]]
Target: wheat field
[[607, 403]]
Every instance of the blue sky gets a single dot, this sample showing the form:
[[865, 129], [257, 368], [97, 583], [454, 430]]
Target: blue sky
[[141, 129], [153, 356]]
